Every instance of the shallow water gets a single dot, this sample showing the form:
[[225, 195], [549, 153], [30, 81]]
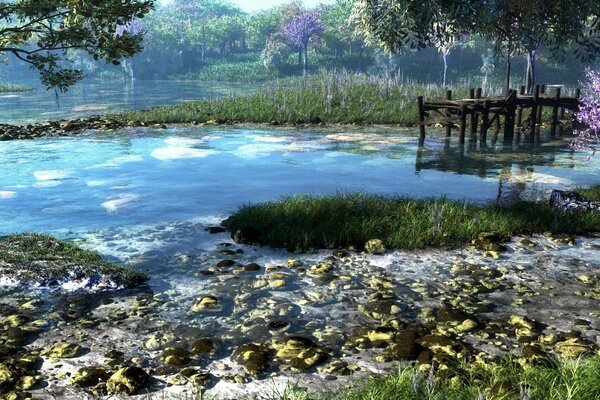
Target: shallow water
[[141, 176], [99, 97], [144, 197]]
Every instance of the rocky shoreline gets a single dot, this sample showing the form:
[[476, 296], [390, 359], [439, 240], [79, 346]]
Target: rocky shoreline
[[233, 319], [68, 127]]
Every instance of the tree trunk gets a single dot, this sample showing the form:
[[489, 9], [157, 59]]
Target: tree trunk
[[305, 59], [445, 53], [530, 76], [508, 51], [300, 56]]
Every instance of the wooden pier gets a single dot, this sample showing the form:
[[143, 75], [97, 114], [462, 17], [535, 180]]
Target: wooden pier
[[481, 113]]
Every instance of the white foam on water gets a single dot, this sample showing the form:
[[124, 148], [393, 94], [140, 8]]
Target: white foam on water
[[47, 184], [114, 205], [183, 142], [96, 183], [51, 175], [6, 194], [118, 161], [539, 178], [257, 150], [269, 139], [174, 153]]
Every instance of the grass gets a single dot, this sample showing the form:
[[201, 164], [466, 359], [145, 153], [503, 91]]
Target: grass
[[34, 258], [341, 98], [331, 98], [11, 88], [565, 379], [302, 223], [245, 71]]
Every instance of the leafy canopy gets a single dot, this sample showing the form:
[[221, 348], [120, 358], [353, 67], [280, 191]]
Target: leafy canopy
[[40, 32]]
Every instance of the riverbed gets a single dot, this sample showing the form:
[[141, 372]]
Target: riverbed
[[145, 198]]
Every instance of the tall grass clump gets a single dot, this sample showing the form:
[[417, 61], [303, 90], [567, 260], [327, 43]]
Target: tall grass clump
[[565, 379], [302, 223], [12, 88], [329, 98]]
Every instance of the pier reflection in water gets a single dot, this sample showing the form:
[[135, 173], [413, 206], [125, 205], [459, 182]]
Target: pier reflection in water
[[515, 164]]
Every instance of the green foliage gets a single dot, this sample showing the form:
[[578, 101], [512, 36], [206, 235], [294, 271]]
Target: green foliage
[[28, 30], [249, 71], [302, 222]]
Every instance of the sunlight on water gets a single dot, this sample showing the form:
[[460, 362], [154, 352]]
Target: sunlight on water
[[141, 176]]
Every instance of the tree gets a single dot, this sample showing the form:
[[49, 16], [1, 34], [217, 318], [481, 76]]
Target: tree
[[516, 26], [513, 25], [39, 33], [300, 30], [589, 114]]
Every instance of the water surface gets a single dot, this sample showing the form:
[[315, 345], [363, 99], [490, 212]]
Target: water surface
[[99, 97], [140, 176]]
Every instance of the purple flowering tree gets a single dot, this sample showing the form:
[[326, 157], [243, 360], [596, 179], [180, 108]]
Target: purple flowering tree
[[589, 114], [299, 30]]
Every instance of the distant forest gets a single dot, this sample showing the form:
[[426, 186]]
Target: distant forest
[[215, 40]]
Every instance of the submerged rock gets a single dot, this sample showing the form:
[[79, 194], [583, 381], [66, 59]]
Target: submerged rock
[[255, 358], [204, 346], [302, 353], [206, 303], [89, 376], [127, 381], [62, 350], [176, 356]]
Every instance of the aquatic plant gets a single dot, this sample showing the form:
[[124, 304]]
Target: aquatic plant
[[589, 114]]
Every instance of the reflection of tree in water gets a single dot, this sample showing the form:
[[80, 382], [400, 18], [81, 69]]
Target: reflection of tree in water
[[512, 163]]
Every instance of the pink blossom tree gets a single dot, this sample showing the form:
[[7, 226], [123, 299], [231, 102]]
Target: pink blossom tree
[[589, 114], [299, 30]]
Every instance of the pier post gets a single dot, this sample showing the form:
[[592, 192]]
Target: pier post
[[449, 123], [520, 108], [485, 121], [463, 123], [555, 111], [539, 109], [573, 118], [473, 123], [509, 118], [534, 111], [421, 108]]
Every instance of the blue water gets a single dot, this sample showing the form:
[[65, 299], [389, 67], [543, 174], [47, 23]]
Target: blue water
[[142, 176], [98, 97]]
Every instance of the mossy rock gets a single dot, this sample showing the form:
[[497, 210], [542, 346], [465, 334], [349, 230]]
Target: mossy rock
[[63, 350], [405, 346], [176, 356], [127, 381], [206, 304], [255, 358], [89, 376], [375, 246], [302, 353], [204, 346]]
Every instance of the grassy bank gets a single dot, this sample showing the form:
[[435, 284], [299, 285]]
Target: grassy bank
[[327, 98], [565, 379], [43, 260], [340, 98], [11, 88], [301, 223]]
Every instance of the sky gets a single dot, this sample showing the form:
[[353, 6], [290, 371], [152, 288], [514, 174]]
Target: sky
[[257, 5]]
